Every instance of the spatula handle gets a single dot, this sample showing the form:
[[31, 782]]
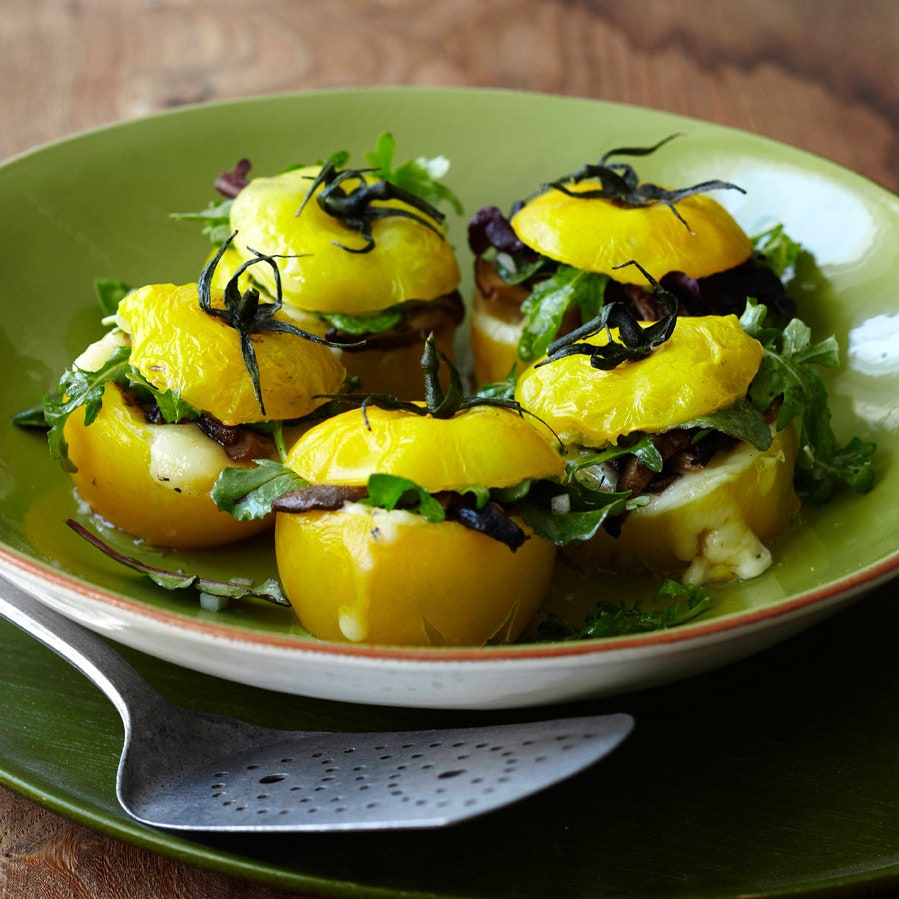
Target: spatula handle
[[79, 646]]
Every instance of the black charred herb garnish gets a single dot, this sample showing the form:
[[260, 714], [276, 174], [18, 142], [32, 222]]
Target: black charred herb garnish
[[353, 207], [635, 340], [245, 313], [620, 183], [438, 404]]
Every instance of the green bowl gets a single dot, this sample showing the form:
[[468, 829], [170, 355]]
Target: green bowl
[[99, 204]]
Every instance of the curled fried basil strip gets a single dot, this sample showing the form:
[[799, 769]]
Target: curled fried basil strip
[[354, 209], [438, 404], [245, 313], [635, 340], [620, 183]]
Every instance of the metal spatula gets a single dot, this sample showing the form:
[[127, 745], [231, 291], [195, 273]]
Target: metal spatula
[[188, 770]]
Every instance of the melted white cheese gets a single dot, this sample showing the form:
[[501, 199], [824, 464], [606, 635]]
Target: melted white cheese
[[94, 357], [184, 459]]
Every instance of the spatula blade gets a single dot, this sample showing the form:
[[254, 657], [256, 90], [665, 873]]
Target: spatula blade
[[346, 782]]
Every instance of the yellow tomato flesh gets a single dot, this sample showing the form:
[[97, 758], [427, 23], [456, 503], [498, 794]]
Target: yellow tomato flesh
[[177, 346], [706, 365], [409, 261], [367, 575], [152, 481], [483, 446], [598, 234], [712, 525]]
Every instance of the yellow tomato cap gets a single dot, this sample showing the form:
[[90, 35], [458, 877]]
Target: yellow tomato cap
[[706, 365], [177, 346], [484, 446], [409, 261], [598, 234]]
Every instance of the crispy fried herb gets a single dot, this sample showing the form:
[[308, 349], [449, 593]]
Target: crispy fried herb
[[635, 341], [245, 313], [269, 590], [353, 208], [613, 620], [620, 183], [438, 404]]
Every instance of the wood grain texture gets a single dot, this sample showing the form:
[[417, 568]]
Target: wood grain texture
[[818, 74]]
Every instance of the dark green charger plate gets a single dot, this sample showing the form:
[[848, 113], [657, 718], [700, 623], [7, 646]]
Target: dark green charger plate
[[775, 776]]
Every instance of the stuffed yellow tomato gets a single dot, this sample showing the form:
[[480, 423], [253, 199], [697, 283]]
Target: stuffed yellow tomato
[[403, 522], [364, 256], [191, 381], [557, 259], [702, 426]]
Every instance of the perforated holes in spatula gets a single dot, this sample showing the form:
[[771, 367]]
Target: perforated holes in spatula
[[401, 780]]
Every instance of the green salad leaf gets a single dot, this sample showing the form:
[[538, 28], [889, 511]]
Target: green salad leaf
[[387, 491], [548, 302], [247, 494], [216, 218], [778, 250], [615, 620], [569, 513], [269, 590], [81, 389], [420, 176], [790, 369], [110, 291]]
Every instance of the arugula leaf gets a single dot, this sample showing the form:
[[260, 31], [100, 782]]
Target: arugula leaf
[[778, 250], [77, 389], [789, 369], [375, 322], [387, 491], [644, 449], [359, 325], [31, 418], [110, 291], [569, 513], [504, 390], [514, 270], [548, 302], [247, 494], [269, 590], [741, 420], [419, 176], [172, 407], [216, 218], [612, 620]]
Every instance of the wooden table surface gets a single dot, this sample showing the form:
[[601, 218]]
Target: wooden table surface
[[818, 74]]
